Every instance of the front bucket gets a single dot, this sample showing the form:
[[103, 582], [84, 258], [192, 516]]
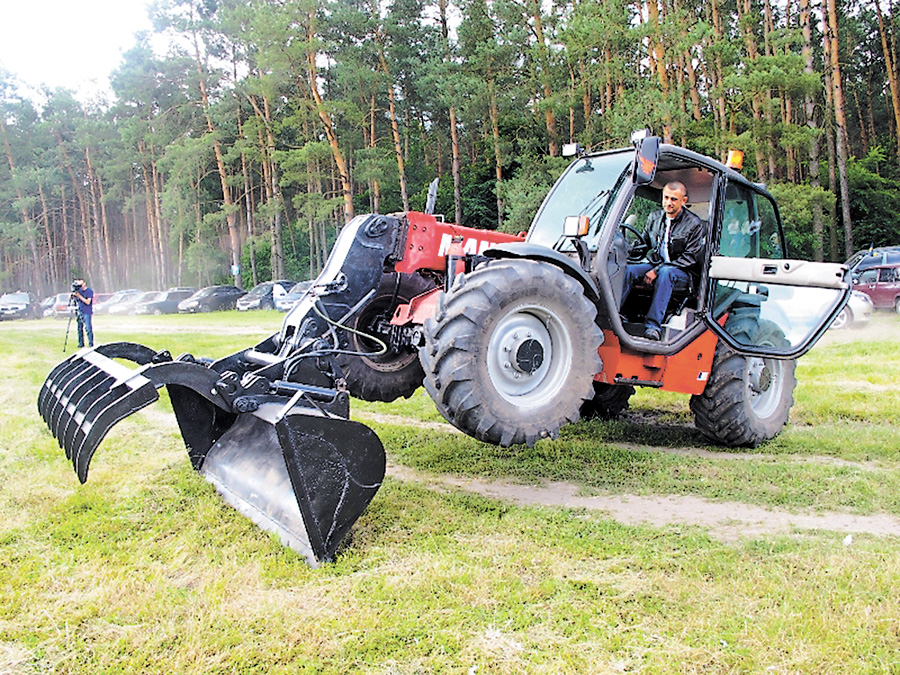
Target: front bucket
[[305, 477]]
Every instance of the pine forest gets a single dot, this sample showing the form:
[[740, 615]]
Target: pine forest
[[237, 152]]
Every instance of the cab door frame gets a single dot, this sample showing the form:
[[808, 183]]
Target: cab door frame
[[789, 286]]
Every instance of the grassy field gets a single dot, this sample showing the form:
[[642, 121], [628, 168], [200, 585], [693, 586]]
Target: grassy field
[[145, 570]]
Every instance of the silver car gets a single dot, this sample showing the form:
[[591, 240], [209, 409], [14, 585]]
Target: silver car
[[856, 313]]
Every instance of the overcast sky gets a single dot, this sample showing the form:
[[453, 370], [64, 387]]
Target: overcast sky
[[68, 43]]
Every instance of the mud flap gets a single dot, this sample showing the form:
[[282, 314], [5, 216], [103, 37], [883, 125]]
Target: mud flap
[[306, 478]]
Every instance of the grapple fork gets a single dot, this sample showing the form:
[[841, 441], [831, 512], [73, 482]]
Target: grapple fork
[[281, 452]]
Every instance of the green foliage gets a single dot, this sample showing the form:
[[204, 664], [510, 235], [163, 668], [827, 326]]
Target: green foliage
[[795, 203], [524, 192], [875, 201]]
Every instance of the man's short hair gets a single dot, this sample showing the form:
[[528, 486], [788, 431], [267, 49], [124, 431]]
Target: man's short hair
[[676, 185]]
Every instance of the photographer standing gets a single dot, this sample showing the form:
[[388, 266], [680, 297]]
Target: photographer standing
[[84, 311]]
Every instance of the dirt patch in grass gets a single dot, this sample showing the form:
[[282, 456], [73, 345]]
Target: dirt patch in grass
[[727, 521]]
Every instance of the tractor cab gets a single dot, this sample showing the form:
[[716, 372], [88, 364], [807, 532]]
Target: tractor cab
[[596, 214]]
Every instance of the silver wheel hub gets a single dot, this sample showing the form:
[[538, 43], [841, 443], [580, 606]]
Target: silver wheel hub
[[764, 382], [529, 355]]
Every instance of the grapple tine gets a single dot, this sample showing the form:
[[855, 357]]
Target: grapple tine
[[84, 397], [62, 390], [89, 383], [106, 412], [46, 398], [59, 378]]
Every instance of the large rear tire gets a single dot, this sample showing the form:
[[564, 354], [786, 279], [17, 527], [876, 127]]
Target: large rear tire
[[395, 373], [748, 399], [511, 352]]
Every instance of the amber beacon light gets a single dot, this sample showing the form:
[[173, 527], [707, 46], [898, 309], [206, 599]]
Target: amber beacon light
[[735, 160]]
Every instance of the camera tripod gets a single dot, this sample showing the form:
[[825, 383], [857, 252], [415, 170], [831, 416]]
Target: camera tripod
[[73, 310]]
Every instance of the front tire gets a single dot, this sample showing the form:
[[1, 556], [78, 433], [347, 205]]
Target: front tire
[[384, 377], [511, 352], [748, 399]]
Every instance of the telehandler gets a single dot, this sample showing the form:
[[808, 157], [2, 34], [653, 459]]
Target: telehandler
[[512, 336]]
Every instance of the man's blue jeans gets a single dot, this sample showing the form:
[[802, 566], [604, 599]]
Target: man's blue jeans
[[668, 276], [85, 326]]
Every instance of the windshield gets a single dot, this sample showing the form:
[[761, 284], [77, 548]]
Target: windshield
[[14, 297], [583, 188], [260, 290]]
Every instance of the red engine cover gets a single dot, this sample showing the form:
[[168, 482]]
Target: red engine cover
[[428, 242]]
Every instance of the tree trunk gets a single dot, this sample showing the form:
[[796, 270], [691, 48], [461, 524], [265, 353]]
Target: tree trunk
[[891, 72], [498, 159], [228, 202], [549, 116], [810, 109], [840, 120]]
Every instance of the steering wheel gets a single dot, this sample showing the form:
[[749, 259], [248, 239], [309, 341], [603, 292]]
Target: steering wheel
[[637, 249]]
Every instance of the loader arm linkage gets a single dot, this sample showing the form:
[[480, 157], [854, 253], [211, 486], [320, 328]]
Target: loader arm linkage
[[269, 425]]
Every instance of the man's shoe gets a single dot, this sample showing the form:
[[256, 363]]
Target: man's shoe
[[651, 333]]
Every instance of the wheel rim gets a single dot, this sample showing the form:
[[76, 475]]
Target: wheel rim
[[841, 319], [765, 380], [529, 355]]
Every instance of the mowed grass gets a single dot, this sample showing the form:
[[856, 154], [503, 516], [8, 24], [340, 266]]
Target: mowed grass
[[145, 570]]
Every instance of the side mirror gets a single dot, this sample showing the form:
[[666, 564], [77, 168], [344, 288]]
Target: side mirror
[[646, 159]]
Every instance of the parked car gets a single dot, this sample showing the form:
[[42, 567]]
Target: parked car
[[285, 302], [264, 295], [104, 306], [210, 299], [856, 313], [873, 257], [165, 302], [47, 306], [128, 305], [61, 309], [19, 305], [882, 285]]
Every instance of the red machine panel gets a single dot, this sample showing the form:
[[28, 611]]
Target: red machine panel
[[428, 242]]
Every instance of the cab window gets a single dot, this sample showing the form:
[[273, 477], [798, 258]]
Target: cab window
[[749, 226]]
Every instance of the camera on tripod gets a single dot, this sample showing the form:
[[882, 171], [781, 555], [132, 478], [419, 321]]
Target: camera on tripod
[[76, 286]]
